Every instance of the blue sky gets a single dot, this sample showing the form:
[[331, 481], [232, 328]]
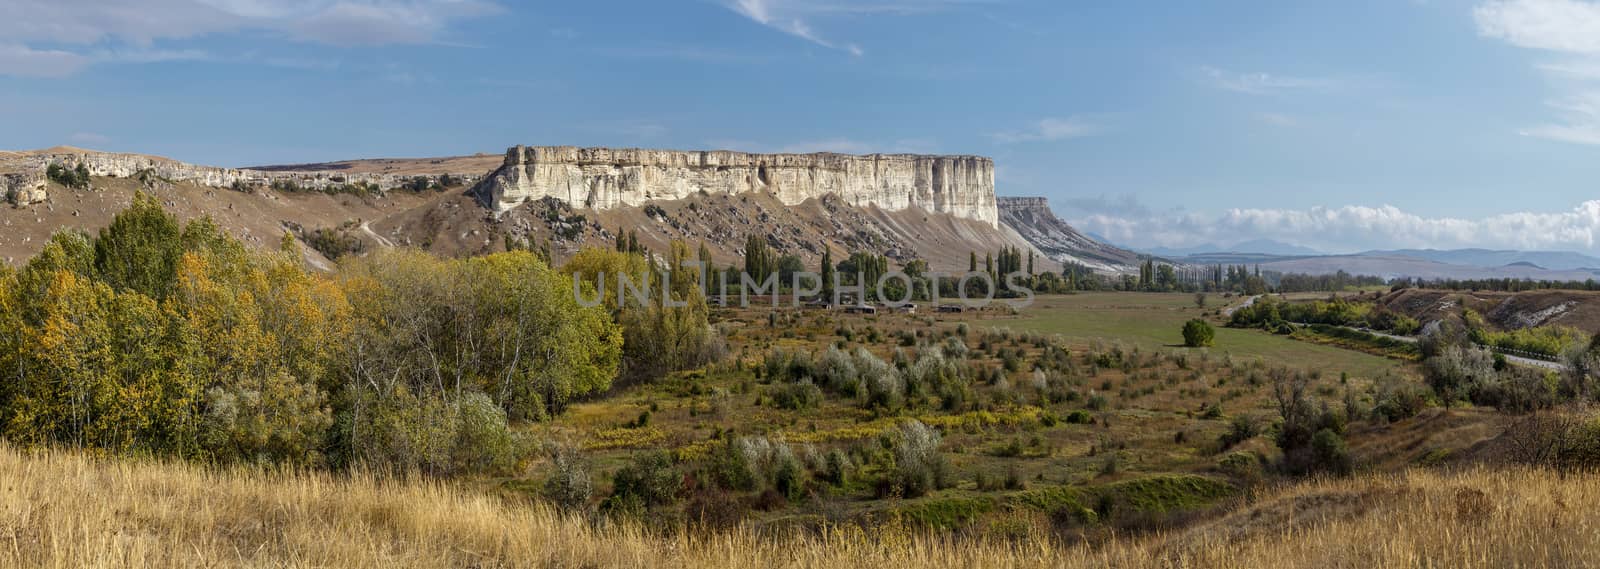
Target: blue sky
[[1338, 125]]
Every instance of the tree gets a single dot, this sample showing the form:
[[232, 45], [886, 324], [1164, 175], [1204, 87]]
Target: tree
[[1200, 300], [139, 250], [758, 259], [1197, 333], [827, 273]]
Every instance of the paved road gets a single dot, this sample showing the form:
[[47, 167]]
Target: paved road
[[1510, 358], [1228, 312]]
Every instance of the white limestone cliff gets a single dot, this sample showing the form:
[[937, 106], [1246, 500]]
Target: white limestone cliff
[[602, 178], [22, 174]]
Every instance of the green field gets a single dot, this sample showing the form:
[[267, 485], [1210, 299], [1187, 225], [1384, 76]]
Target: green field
[[1150, 320]]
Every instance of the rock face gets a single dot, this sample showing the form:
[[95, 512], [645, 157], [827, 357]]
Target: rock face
[[23, 188], [22, 174], [1031, 217], [603, 178]]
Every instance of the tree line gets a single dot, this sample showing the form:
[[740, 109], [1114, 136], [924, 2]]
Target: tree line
[[167, 338]]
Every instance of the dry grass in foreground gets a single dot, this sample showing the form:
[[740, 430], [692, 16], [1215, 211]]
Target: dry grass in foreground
[[60, 509]]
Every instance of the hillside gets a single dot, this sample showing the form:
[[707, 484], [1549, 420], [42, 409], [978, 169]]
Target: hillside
[[356, 206], [1502, 310], [1031, 218]]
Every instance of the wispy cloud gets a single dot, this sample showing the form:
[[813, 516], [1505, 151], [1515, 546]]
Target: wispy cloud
[[1263, 83], [1050, 129], [1582, 120], [94, 138], [80, 33], [1345, 228], [685, 53], [788, 18], [1567, 27], [794, 17], [1278, 120]]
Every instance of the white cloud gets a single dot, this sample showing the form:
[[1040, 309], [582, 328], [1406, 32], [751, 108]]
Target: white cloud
[[1573, 70], [1569, 26], [1346, 228], [794, 17], [124, 32], [1582, 125], [1050, 129], [89, 138], [1279, 120], [786, 16], [23, 61], [1261, 83]]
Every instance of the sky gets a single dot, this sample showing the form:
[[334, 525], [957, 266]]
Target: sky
[[1339, 125]]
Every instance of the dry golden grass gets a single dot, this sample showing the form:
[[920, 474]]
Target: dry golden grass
[[62, 509]]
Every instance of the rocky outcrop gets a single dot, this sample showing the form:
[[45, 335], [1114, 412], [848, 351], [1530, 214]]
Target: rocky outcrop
[[1032, 219], [22, 174], [603, 178], [23, 188]]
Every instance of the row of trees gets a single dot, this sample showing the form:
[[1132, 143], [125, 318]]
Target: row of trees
[[1501, 285], [174, 339]]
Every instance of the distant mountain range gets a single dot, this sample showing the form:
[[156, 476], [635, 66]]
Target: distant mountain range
[[1256, 246], [1390, 265], [1555, 260]]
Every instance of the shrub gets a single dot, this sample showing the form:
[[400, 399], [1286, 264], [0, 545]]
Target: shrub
[[648, 481], [569, 486], [918, 466], [1328, 449], [796, 396], [1242, 429], [1197, 333], [483, 442]]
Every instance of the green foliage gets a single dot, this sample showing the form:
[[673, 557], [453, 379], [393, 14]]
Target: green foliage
[[139, 251], [1198, 333], [796, 396], [648, 481], [152, 338], [76, 177]]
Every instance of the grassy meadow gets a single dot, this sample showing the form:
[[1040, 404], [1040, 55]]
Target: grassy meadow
[[1153, 320], [69, 510]]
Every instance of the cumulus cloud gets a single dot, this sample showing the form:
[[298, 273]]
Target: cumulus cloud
[[1570, 26], [1347, 228], [126, 31], [1050, 129]]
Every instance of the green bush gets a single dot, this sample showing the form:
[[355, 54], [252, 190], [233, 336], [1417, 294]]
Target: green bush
[[648, 481], [796, 396], [1198, 334]]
